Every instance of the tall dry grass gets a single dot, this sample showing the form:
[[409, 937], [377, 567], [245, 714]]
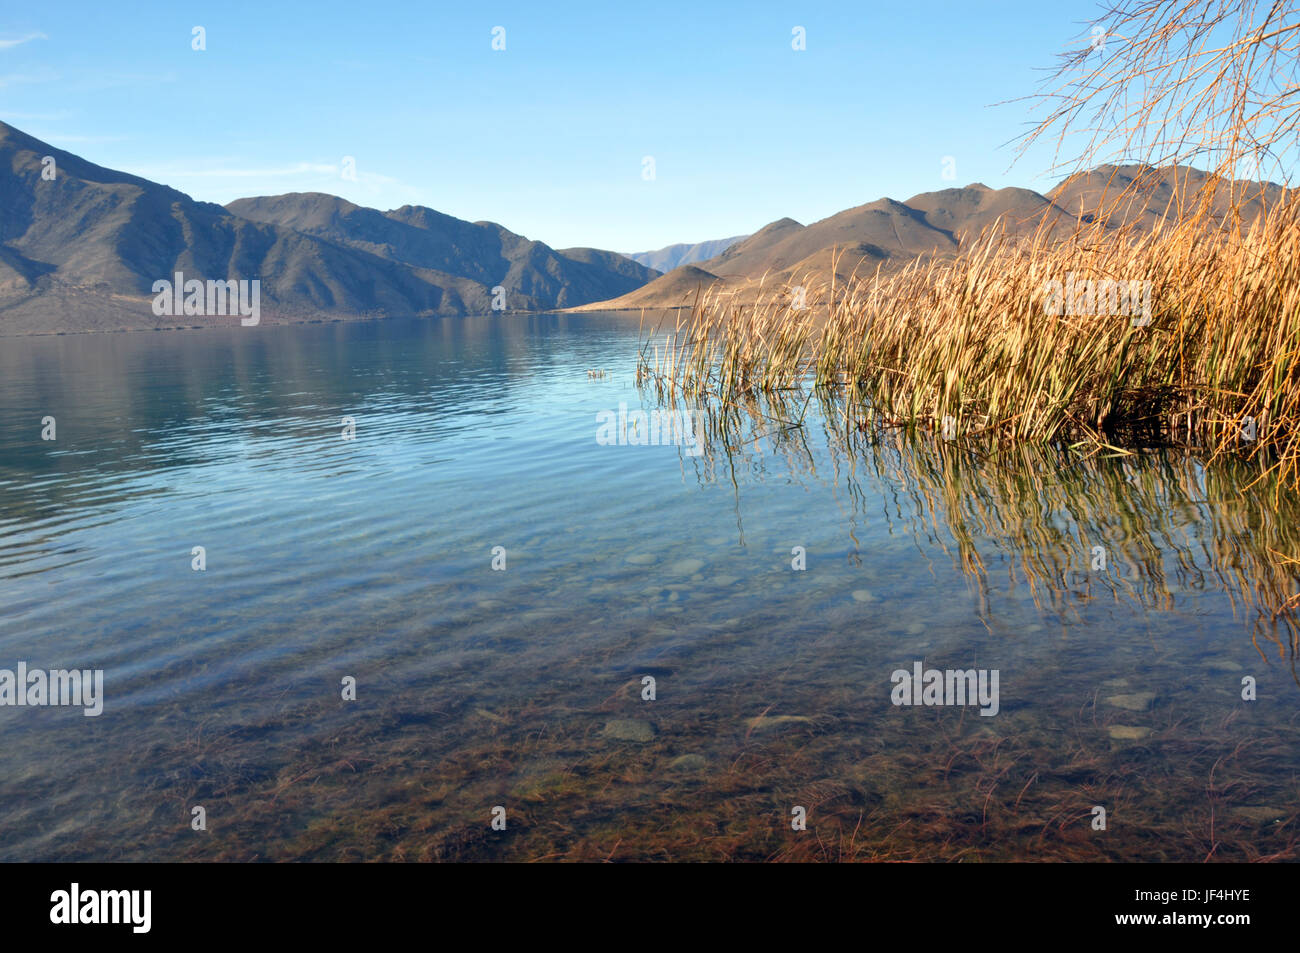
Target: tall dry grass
[[971, 346]]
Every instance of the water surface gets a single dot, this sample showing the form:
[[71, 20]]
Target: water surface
[[372, 558]]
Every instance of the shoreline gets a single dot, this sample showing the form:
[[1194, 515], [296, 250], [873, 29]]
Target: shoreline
[[271, 321]]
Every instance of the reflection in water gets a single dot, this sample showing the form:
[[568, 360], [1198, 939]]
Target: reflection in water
[[1070, 527], [1120, 669]]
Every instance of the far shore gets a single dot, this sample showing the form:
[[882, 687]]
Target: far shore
[[226, 322]]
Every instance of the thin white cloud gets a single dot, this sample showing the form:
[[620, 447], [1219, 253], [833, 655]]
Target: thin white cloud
[[301, 168], [78, 140], [332, 170], [97, 82], [10, 44], [223, 179], [375, 179], [34, 117], [15, 79]]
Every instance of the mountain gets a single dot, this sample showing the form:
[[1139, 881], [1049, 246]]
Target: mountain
[[887, 234], [81, 251], [673, 256], [1110, 188], [884, 233]]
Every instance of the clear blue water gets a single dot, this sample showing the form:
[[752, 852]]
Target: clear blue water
[[371, 558]]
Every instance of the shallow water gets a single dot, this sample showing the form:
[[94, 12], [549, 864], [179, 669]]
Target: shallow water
[[1119, 687]]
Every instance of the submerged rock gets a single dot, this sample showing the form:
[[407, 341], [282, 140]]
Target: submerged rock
[[761, 722], [862, 595], [629, 729], [689, 762], [1128, 732], [1136, 701], [1260, 813]]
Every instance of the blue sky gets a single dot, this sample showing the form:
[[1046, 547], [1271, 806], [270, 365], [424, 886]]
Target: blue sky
[[549, 136]]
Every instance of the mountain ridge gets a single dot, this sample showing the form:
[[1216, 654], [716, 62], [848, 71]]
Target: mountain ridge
[[81, 252], [886, 233]]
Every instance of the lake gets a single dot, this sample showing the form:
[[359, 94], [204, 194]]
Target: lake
[[430, 596]]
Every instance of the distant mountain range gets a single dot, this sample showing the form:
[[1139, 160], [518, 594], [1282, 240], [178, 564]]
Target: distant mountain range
[[82, 249], [684, 253], [886, 233]]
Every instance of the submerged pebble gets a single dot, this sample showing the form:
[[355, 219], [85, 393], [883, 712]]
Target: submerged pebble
[[1260, 813], [689, 762], [1136, 701], [1128, 732], [762, 722], [629, 729]]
